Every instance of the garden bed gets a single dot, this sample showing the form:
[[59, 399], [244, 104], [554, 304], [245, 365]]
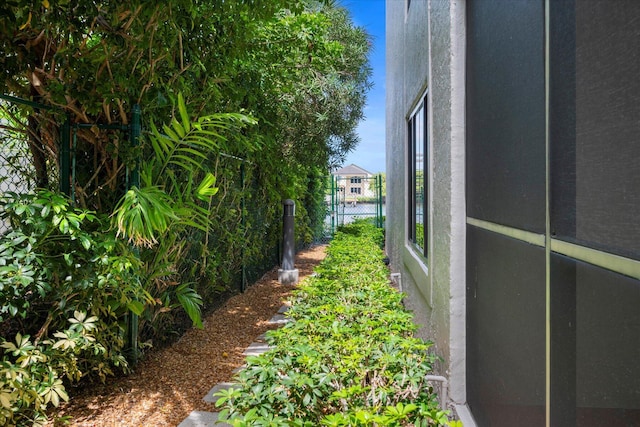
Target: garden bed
[[171, 383], [348, 358]]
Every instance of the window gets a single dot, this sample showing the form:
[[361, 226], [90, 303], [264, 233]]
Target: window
[[418, 186], [356, 180], [356, 190]]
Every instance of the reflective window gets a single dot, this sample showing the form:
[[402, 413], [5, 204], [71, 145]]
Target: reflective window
[[418, 185]]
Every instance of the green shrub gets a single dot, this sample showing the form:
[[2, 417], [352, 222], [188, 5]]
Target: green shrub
[[350, 357], [364, 228], [59, 265], [32, 372]]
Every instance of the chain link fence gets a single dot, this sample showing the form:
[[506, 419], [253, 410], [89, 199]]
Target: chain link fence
[[94, 165], [27, 151]]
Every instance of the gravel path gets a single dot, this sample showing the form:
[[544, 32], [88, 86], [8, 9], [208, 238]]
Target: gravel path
[[171, 383]]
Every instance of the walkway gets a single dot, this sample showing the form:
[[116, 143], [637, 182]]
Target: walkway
[[170, 383], [209, 419]]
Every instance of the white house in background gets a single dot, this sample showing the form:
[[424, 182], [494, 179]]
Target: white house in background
[[354, 182], [513, 192]]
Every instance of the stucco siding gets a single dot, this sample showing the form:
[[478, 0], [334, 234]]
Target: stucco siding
[[425, 52], [407, 78]]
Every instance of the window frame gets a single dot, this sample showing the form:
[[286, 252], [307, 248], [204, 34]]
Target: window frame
[[418, 146]]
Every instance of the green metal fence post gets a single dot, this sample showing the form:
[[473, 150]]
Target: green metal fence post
[[381, 204], [244, 229], [333, 205], [135, 128], [379, 191], [377, 202], [74, 143]]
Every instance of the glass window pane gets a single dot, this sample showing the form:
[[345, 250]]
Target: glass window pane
[[419, 185], [418, 177]]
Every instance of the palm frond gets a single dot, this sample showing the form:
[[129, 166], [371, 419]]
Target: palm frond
[[190, 302], [143, 214]]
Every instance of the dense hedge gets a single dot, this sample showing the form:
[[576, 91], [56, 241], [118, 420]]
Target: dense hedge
[[277, 87], [349, 357]]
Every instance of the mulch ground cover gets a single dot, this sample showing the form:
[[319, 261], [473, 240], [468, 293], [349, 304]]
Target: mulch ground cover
[[170, 383]]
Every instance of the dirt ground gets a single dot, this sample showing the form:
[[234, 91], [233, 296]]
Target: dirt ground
[[170, 383]]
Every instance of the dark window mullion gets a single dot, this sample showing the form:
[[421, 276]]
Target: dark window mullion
[[411, 180], [425, 181]]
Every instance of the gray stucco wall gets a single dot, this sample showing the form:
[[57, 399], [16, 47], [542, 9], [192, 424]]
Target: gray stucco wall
[[406, 51], [435, 287]]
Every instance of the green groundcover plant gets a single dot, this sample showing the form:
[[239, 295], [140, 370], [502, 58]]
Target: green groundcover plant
[[349, 358]]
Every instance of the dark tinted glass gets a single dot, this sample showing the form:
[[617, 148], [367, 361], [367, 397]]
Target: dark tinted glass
[[418, 177]]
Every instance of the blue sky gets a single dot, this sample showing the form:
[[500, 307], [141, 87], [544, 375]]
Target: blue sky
[[370, 153]]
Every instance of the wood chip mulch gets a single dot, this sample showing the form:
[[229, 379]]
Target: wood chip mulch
[[170, 383]]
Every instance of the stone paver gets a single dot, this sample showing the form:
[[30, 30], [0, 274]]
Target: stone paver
[[279, 319], [283, 309], [210, 398], [256, 349], [202, 419], [209, 419]]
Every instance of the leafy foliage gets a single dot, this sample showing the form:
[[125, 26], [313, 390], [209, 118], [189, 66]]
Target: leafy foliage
[[32, 372], [57, 260], [246, 103], [177, 185], [349, 358], [58, 265], [298, 67]]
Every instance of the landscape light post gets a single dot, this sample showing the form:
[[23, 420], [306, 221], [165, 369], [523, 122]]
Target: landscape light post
[[287, 274]]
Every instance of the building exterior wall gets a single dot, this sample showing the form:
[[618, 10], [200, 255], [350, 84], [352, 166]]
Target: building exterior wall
[[407, 50], [528, 282], [425, 52], [361, 182]]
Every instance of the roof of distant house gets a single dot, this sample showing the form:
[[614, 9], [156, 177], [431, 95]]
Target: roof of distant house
[[351, 170]]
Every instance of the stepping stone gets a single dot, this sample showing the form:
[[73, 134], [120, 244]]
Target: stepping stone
[[210, 398], [279, 319], [283, 309], [256, 349], [202, 419], [238, 369], [262, 337]]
